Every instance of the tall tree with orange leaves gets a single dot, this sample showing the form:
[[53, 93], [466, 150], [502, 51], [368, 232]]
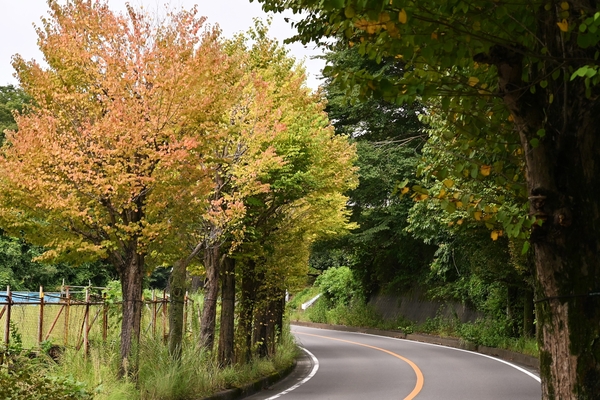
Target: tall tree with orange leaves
[[125, 106]]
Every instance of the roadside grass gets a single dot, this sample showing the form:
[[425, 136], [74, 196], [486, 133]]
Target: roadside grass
[[486, 332], [197, 375]]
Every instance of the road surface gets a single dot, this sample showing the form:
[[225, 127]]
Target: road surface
[[354, 366]]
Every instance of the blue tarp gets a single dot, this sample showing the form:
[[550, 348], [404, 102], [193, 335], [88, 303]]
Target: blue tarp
[[30, 297]]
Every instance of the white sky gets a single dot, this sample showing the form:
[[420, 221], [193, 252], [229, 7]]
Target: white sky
[[17, 34]]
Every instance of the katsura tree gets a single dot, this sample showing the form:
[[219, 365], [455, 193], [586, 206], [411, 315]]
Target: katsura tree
[[537, 61], [302, 200], [123, 106]]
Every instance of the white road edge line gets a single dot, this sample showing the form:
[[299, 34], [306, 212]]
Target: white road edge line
[[303, 381], [523, 370]]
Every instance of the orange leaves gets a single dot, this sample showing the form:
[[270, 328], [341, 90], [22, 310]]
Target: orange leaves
[[563, 25], [402, 16], [121, 122]]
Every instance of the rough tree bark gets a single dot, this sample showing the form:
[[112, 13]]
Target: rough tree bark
[[563, 180], [211, 291], [177, 298], [226, 329], [131, 275], [246, 312]]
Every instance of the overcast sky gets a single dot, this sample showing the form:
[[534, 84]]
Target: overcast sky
[[17, 34]]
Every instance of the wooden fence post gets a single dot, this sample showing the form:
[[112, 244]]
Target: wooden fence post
[[104, 317], [185, 313], [153, 313], [7, 324], [67, 306], [86, 323], [164, 316], [41, 319]]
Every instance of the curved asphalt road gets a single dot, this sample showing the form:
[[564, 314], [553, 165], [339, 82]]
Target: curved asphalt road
[[354, 366]]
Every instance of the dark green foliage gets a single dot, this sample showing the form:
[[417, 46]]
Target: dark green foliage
[[11, 99], [382, 254], [18, 269]]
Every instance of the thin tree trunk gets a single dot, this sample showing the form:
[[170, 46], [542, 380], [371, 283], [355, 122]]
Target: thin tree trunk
[[226, 333], [211, 291], [528, 326], [177, 285], [131, 285], [196, 284], [261, 323], [261, 316], [246, 313]]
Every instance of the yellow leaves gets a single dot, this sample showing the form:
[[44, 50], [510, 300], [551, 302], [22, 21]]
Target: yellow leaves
[[448, 183], [477, 215], [384, 21], [405, 190], [384, 17], [402, 16], [510, 118], [563, 25], [485, 170], [371, 27], [434, 35], [496, 234], [473, 81]]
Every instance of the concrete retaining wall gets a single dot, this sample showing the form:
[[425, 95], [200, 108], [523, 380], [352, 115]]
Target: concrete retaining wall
[[415, 307]]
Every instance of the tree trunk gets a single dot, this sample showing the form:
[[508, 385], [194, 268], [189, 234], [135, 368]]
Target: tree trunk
[[261, 316], [211, 291], [275, 326], [563, 180], [246, 313], [528, 326], [196, 284], [131, 276], [261, 323], [176, 305], [226, 333]]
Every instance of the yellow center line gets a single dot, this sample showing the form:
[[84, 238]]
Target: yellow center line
[[420, 379]]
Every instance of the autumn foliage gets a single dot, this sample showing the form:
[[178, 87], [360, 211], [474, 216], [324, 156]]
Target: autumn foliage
[[153, 143]]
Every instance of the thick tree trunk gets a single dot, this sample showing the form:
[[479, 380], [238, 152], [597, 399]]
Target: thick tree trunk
[[131, 276], [211, 291], [563, 180], [226, 332], [176, 305]]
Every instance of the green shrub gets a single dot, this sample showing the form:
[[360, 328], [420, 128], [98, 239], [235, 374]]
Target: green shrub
[[339, 285], [318, 311], [23, 378]]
